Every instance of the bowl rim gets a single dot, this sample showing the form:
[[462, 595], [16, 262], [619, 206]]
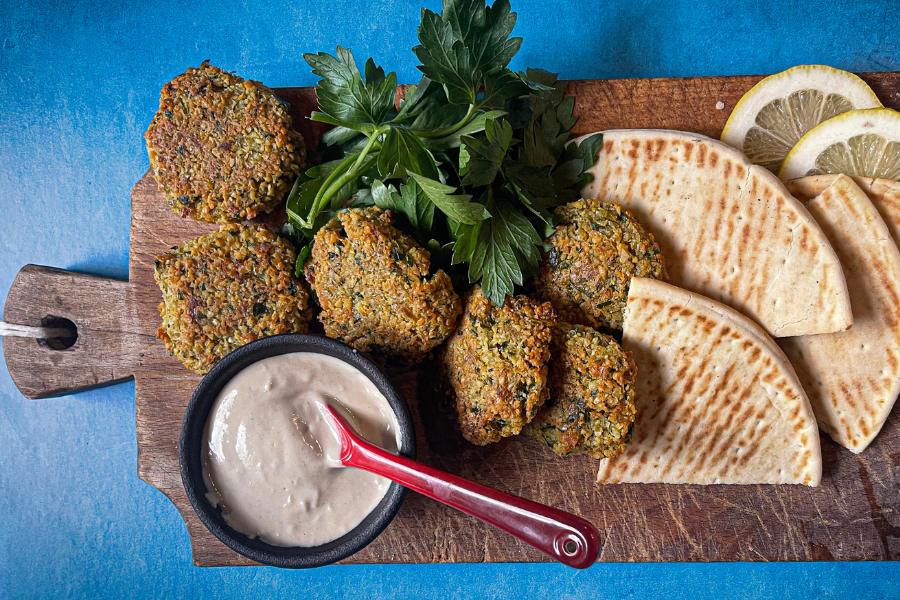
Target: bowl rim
[[193, 430]]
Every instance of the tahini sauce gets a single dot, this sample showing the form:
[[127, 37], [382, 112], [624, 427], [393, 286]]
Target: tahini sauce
[[266, 442]]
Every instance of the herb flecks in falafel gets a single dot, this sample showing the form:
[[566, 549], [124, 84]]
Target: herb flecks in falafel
[[597, 249], [222, 148], [375, 288], [591, 405], [496, 365], [225, 289]]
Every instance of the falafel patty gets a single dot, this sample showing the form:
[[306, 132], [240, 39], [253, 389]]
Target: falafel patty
[[496, 365], [597, 249], [222, 148], [225, 289], [591, 405], [375, 289]]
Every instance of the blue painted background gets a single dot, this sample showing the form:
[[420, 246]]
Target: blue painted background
[[78, 86]]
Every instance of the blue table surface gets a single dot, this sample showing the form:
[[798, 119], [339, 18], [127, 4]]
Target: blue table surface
[[80, 84]]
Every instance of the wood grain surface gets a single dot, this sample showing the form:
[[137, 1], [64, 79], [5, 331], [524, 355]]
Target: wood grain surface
[[854, 515]]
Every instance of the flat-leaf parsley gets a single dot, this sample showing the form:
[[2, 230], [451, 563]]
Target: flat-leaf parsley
[[472, 163]]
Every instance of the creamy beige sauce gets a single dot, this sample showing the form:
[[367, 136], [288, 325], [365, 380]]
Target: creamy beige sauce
[[264, 454]]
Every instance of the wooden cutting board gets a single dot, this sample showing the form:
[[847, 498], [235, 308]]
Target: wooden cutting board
[[854, 515]]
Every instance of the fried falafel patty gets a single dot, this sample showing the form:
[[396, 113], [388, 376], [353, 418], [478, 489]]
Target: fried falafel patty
[[597, 249], [496, 365], [590, 409], [222, 148], [225, 289], [375, 289]]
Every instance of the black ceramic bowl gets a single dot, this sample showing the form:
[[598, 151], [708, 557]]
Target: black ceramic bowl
[[191, 443]]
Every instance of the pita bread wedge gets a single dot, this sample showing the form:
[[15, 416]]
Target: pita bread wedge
[[853, 377], [716, 399], [728, 229], [883, 193]]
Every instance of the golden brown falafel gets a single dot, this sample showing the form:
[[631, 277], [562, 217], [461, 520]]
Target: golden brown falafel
[[222, 148], [496, 365], [596, 250], [375, 288], [225, 289], [590, 409]]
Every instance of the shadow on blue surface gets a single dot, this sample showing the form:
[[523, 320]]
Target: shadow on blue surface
[[80, 83]]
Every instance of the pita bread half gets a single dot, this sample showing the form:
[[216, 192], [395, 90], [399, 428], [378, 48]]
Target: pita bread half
[[883, 193], [853, 377], [728, 229], [716, 399]]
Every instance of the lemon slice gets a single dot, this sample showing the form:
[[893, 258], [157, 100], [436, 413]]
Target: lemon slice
[[779, 110], [865, 143]]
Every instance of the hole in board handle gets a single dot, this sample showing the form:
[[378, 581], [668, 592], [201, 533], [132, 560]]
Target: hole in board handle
[[64, 341]]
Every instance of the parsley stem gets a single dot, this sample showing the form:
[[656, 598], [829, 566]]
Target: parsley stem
[[318, 203], [439, 133], [346, 178], [373, 139], [336, 181]]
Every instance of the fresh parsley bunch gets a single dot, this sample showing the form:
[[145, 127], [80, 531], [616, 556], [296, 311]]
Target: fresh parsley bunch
[[474, 159]]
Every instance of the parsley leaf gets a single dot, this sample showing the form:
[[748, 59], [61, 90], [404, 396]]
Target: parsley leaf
[[501, 86], [302, 197], [532, 189], [302, 256], [587, 150], [485, 154], [456, 206], [484, 31], [415, 99], [500, 251], [411, 202], [402, 150], [440, 253], [464, 43], [344, 98], [549, 170], [339, 135]]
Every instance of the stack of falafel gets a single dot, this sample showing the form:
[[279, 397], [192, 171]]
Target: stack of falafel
[[223, 150], [541, 365]]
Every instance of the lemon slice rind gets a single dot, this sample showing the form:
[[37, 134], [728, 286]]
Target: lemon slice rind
[[878, 149], [820, 79]]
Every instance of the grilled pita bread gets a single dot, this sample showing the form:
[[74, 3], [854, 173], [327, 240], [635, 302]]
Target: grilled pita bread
[[728, 229], [883, 193], [853, 377], [716, 399]]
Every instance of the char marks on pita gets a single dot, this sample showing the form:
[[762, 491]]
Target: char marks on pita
[[716, 399], [883, 193], [853, 377]]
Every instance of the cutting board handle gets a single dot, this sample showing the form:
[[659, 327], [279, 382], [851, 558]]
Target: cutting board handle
[[105, 349]]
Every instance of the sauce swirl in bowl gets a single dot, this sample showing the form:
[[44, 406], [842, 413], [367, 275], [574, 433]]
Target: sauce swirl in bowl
[[266, 444]]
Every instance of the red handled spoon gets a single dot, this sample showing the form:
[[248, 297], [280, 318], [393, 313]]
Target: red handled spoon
[[562, 536]]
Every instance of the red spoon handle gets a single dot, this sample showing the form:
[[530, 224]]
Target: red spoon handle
[[563, 536]]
